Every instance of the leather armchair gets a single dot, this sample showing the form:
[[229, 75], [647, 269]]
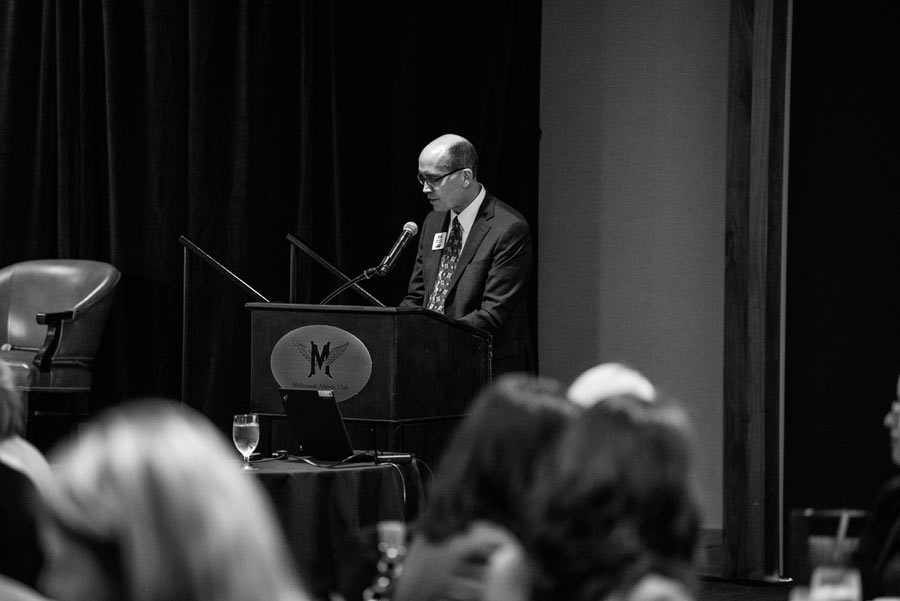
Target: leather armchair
[[52, 314]]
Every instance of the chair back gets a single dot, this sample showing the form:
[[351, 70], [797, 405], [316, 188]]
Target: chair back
[[55, 285]]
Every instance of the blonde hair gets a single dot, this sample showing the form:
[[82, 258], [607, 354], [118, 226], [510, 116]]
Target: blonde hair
[[161, 486]]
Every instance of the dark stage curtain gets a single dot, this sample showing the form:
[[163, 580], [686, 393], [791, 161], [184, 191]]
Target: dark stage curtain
[[124, 125], [842, 317]]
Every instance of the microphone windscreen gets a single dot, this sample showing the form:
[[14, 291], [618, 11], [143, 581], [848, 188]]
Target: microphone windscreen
[[411, 227]]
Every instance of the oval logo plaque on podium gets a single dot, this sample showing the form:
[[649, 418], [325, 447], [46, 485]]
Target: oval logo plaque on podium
[[321, 357]]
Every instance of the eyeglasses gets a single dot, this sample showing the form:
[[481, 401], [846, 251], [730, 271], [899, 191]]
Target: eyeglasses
[[434, 180]]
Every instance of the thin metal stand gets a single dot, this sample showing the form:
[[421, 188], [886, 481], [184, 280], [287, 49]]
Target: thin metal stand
[[348, 281], [190, 247]]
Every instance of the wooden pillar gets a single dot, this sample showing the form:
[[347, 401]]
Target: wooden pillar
[[754, 267]]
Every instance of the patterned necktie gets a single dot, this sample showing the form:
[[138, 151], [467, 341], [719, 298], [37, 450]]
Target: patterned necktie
[[449, 257]]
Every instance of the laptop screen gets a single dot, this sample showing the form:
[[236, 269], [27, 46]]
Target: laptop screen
[[316, 423]]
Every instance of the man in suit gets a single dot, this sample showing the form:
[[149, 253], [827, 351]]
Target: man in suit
[[474, 258]]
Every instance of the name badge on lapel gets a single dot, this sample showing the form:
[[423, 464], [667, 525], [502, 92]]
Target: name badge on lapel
[[440, 239]]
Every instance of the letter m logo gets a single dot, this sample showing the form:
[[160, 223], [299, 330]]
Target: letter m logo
[[321, 360]]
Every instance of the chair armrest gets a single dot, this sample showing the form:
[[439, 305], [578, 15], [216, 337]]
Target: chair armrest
[[44, 357]]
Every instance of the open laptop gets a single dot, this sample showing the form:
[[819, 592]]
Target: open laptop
[[318, 427]]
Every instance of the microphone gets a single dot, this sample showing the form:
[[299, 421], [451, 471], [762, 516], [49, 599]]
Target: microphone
[[410, 229]]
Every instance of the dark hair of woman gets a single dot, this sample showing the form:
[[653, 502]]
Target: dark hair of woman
[[614, 503], [489, 463]]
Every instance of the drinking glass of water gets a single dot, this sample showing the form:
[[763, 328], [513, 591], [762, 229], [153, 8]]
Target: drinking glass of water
[[245, 433]]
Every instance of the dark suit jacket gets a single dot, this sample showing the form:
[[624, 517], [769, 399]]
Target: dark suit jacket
[[489, 287], [20, 552], [878, 554]]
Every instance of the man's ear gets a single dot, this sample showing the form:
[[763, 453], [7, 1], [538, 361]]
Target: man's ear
[[468, 176]]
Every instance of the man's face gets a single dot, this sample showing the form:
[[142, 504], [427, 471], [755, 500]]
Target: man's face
[[892, 423], [443, 187]]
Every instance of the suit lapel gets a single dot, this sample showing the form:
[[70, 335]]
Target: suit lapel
[[480, 227]]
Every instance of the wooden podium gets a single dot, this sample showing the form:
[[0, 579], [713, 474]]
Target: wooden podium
[[425, 369]]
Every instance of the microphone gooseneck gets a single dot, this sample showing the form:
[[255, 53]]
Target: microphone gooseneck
[[410, 229]]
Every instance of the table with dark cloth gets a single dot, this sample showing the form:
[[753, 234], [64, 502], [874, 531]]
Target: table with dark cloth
[[329, 516]]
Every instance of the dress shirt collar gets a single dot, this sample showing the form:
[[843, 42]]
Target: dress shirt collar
[[468, 215]]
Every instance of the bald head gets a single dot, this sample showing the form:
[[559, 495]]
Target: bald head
[[448, 172], [450, 152]]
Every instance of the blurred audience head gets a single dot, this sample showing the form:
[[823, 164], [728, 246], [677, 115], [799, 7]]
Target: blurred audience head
[[609, 380], [892, 423], [614, 505], [12, 413], [489, 463], [151, 504]]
